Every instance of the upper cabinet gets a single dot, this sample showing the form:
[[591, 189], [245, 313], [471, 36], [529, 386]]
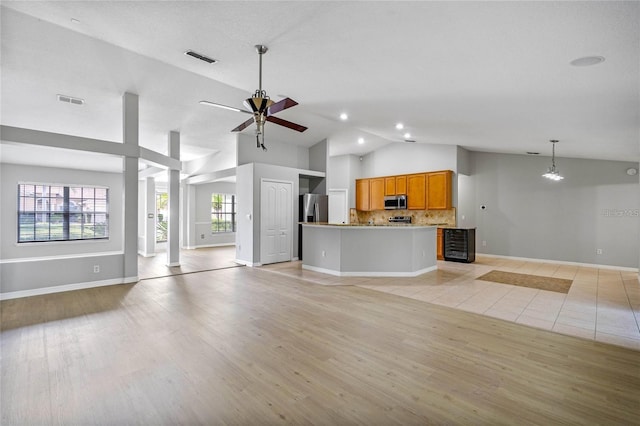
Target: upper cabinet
[[362, 194], [424, 191], [376, 194], [390, 185], [439, 190], [417, 191], [395, 185], [401, 185]]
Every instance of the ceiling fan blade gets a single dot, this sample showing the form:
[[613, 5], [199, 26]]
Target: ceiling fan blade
[[285, 123], [281, 105], [230, 108], [243, 126]]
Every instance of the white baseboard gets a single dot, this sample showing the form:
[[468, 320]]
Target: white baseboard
[[144, 254], [247, 263], [66, 287], [369, 273], [562, 262], [208, 245], [173, 264]]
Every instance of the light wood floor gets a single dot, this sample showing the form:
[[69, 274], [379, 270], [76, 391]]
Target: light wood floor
[[602, 304], [246, 346]]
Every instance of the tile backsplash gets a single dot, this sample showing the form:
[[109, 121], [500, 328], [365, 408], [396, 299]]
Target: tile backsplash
[[418, 217]]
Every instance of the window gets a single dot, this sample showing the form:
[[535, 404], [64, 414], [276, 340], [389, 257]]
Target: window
[[223, 213], [162, 216], [62, 213]]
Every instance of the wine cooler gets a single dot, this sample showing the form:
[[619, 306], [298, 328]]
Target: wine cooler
[[459, 244]]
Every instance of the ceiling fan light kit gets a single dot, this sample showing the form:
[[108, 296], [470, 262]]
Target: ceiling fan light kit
[[261, 107], [553, 173]]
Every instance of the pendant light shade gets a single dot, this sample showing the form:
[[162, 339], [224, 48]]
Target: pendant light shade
[[553, 173]]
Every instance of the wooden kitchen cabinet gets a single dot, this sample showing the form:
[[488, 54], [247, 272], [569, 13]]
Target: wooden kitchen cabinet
[[439, 190], [362, 194], [376, 193], [395, 185], [390, 185], [401, 185], [439, 248], [417, 191]]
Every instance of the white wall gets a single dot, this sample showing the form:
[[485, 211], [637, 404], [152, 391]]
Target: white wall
[[342, 173], [245, 220], [403, 158], [529, 216]]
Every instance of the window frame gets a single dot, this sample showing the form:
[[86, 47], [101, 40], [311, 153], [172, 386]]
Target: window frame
[[68, 211], [223, 214]]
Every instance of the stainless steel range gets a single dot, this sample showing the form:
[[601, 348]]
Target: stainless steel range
[[400, 219]]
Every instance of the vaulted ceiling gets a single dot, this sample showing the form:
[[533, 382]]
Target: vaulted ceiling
[[488, 76]]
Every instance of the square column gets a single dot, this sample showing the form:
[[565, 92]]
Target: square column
[[173, 235], [130, 185]]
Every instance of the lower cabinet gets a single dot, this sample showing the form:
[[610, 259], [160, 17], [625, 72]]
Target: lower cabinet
[[439, 253]]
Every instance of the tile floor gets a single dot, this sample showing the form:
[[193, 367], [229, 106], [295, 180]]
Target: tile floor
[[602, 304]]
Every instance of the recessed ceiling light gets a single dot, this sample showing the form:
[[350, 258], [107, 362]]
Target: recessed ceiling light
[[360, 141], [344, 116], [407, 135], [399, 126], [587, 61]]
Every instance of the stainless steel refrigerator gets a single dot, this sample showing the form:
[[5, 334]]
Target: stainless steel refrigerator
[[313, 208]]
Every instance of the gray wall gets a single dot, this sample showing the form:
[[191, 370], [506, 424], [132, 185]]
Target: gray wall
[[278, 153], [12, 174], [529, 216], [29, 266], [204, 236]]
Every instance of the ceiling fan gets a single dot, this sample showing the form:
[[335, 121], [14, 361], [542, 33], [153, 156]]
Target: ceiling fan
[[262, 108]]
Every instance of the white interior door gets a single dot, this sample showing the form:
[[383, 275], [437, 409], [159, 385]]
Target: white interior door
[[338, 206], [276, 221]]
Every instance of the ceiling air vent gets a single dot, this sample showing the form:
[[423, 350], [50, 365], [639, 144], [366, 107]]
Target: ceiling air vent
[[201, 57], [70, 100]]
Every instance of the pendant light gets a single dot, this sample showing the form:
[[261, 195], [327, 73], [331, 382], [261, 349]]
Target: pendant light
[[553, 173]]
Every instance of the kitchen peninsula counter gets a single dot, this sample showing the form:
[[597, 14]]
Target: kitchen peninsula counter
[[393, 250]]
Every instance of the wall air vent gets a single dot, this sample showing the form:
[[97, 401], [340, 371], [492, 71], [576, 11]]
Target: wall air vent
[[70, 100], [201, 57], [410, 140]]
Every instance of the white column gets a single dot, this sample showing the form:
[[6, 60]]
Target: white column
[[188, 216], [150, 217], [130, 183], [173, 235]]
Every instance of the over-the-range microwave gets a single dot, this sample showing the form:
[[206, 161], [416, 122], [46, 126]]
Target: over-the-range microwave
[[395, 202]]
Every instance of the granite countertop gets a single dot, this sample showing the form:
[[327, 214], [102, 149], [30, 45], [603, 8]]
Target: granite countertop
[[366, 225]]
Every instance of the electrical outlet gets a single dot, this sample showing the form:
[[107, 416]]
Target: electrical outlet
[[96, 269], [598, 251], [324, 253], [202, 236], [484, 243]]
